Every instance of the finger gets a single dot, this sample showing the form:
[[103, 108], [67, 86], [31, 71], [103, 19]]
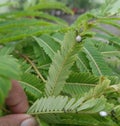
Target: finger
[[18, 120], [17, 100]]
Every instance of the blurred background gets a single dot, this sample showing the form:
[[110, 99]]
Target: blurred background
[[77, 6]]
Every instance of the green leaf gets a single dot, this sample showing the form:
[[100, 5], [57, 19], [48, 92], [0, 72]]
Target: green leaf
[[77, 84], [21, 23], [99, 89], [61, 64], [52, 18], [115, 40], [51, 5], [114, 63], [33, 80], [23, 32], [51, 103], [110, 7], [82, 19], [77, 119], [9, 67], [58, 37], [61, 104], [111, 53], [102, 44], [5, 86], [115, 7], [30, 13], [111, 23], [48, 44], [82, 62], [97, 63], [31, 90], [41, 58], [6, 50], [61, 109], [91, 104]]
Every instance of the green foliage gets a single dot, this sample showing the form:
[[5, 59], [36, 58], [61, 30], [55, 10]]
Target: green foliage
[[77, 84], [68, 82], [61, 106], [26, 23], [9, 69], [62, 62], [10, 66], [46, 42], [97, 63], [51, 5]]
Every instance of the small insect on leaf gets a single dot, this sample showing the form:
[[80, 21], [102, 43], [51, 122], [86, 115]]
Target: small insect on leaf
[[103, 113], [78, 38]]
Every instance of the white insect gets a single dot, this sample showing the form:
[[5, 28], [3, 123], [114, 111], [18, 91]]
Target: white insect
[[78, 38], [103, 113]]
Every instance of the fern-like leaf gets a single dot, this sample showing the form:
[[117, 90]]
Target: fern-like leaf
[[97, 63], [39, 14], [48, 44], [61, 104], [51, 5], [61, 64], [20, 33], [41, 58], [58, 37], [87, 102], [5, 86], [77, 84], [82, 62], [110, 7], [8, 70], [61, 109], [114, 63], [32, 80], [6, 50], [31, 90], [116, 41]]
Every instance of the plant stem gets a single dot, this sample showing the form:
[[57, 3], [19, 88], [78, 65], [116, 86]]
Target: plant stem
[[35, 68]]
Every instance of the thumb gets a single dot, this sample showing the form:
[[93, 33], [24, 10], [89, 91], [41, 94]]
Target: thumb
[[18, 120]]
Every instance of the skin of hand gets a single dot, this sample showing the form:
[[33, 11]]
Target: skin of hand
[[18, 104]]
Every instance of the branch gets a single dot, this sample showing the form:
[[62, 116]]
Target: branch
[[34, 67]]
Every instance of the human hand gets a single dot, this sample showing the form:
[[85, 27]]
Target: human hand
[[18, 104]]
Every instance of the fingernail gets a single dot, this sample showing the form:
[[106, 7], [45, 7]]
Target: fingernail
[[29, 122]]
